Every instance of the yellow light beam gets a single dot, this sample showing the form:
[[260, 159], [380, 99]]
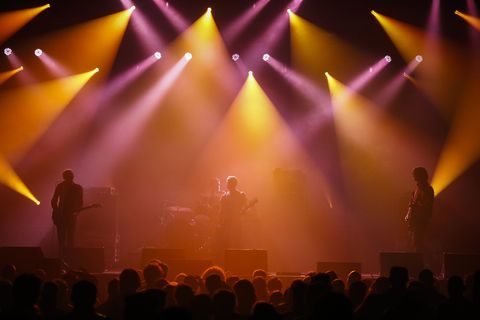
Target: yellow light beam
[[4, 76], [28, 111], [11, 22], [315, 50], [87, 45], [408, 39], [473, 21], [374, 145], [461, 148], [435, 75], [252, 140], [9, 178]]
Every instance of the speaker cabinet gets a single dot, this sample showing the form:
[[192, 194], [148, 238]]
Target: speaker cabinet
[[458, 264], [25, 259], [413, 261], [164, 255], [342, 269], [244, 261], [91, 259]]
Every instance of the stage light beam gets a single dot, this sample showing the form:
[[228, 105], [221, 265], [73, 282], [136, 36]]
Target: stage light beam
[[28, 111], [473, 21], [4, 76], [236, 27], [11, 22], [9, 178], [86, 45]]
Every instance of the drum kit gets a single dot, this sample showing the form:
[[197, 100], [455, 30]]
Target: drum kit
[[196, 229], [189, 228]]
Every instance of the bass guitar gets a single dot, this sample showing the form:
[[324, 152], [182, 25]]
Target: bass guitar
[[57, 213]]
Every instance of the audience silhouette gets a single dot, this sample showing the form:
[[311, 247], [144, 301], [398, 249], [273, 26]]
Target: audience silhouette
[[147, 294]]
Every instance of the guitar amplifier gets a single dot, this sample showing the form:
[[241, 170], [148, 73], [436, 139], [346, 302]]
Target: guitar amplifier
[[97, 227]]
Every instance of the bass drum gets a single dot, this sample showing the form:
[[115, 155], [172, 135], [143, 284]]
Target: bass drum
[[203, 231]]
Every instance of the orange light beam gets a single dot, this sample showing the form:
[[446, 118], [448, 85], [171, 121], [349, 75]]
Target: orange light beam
[[473, 21], [4, 76], [11, 22], [9, 178]]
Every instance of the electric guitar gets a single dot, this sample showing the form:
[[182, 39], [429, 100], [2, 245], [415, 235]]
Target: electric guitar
[[252, 203], [57, 214]]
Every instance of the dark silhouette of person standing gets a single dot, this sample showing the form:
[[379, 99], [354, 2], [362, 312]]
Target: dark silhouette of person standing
[[66, 202], [420, 208], [232, 205]]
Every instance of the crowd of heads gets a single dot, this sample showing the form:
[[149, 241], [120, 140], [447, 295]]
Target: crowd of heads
[[216, 294]]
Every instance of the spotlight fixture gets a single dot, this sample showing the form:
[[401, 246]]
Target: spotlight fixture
[[209, 10], [96, 70], [132, 8], [289, 11], [370, 70], [188, 56], [7, 51], [235, 57], [388, 59], [250, 73], [157, 55], [419, 58], [327, 74], [266, 57], [38, 52], [20, 68]]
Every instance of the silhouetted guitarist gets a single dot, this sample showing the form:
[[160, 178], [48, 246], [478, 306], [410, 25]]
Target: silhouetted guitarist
[[420, 208], [232, 205], [67, 201]]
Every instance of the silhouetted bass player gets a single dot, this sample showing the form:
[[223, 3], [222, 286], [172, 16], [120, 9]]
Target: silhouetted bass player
[[420, 208], [67, 201]]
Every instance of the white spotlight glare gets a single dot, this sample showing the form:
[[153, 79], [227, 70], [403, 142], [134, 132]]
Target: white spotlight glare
[[96, 70], [7, 51], [388, 59], [266, 57], [38, 52], [235, 57], [250, 73], [188, 56], [157, 55], [419, 58], [132, 8], [289, 11], [209, 10]]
